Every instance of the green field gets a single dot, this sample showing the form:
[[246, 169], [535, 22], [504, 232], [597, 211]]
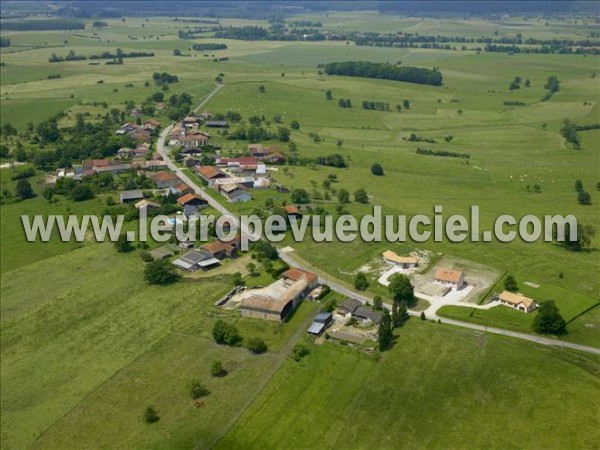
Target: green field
[[86, 345], [437, 388]]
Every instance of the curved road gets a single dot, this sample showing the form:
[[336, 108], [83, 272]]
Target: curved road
[[337, 285]]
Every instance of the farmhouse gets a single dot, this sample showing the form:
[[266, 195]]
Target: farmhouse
[[405, 262], [367, 315], [191, 203], [181, 189], [450, 277], [220, 249], [348, 306], [195, 260], [165, 179], [210, 173], [261, 151], [274, 158], [193, 140], [151, 123], [139, 152], [279, 299], [517, 301], [242, 163]]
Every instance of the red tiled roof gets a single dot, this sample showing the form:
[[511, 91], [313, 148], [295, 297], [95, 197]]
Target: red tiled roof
[[208, 171], [448, 275], [217, 246], [295, 274], [188, 198], [163, 175]]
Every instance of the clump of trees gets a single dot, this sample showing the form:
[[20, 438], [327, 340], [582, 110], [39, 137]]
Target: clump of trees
[[444, 153], [300, 196], [164, 78], [345, 103], [416, 138], [160, 272], [23, 190], [225, 333], [375, 105], [548, 319], [385, 71], [553, 86], [569, 132], [515, 84], [361, 196], [209, 46], [585, 235], [334, 160]]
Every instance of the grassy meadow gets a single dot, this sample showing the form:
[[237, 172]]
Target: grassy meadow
[[86, 345], [437, 388]]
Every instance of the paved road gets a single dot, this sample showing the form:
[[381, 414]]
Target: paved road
[[337, 285], [162, 150]]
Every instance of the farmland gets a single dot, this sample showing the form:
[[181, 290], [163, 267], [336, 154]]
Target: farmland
[[87, 345]]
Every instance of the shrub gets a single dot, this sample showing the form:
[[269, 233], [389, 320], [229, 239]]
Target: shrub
[[225, 333], [299, 351], [150, 415], [257, 346], [377, 170], [198, 390], [217, 369]]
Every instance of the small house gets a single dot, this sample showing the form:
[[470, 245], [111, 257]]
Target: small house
[[367, 315], [517, 301], [404, 262], [450, 277]]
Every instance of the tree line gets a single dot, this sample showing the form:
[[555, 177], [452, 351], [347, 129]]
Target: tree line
[[41, 25], [209, 46], [425, 151], [385, 71]]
